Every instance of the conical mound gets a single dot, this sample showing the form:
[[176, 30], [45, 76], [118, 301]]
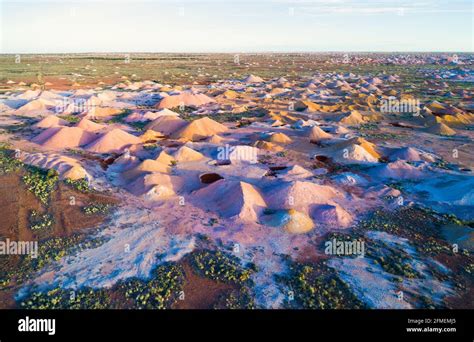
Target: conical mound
[[231, 198], [167, 124], [155, 186], [186, 154], [50, 121], [199, 129], [355, 118], [253, 79], [215, 139], [63, 137], [291, 220], [146, 166], [113, 141], [89, 125], [165, 158], [333, 215], [186, 98], [299, 195], [317, 134], [279, 138], [440, 128]]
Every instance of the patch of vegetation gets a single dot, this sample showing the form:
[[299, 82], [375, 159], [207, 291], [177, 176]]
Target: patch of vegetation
[[7, 161], [393, 261], [48, 251], [220, 266], [96, 208], [236, 300], [160, 292], [119, 118], [41, 182], [81, 185], [71, 118], [316, 286], [58, 298], [40, 221]]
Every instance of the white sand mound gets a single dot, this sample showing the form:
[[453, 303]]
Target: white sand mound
[[440, 128], [35, 107], [167, 124], [149, 116], [65, 166], [186, 98], [240, 153], [146, 166], [103, 112], [398, 170], [317, 134], [215, 139], [354, 118], [187, 154], [299, 195], [63, 137], [155, 186], [253, 79], [279, 138], [356, 150], [89, 125], [294, 172], [50, 121], [165, 158], [231, 198], [332, 215], [113, 141], [199, 129], [290, 220], [405, 153]]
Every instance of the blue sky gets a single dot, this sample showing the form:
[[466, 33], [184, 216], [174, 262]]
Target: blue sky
[[235, 26]]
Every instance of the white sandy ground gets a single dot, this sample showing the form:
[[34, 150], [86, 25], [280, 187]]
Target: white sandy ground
[[378, 289], [136, 243]]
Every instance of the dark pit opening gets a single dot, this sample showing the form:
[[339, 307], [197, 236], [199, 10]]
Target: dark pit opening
[[277, 168], [209, 178], [323, 159]]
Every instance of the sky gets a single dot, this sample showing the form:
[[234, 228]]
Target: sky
[[67, 26]]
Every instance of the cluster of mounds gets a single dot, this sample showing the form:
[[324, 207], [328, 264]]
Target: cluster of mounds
[[269, 164]]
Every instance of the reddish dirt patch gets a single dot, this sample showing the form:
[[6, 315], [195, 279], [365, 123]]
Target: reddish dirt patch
[[16, 203], [200, 292]]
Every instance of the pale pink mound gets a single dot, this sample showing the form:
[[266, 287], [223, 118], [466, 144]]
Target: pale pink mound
[[167, 124], [353, 119], [146, 166], [89, 125], [199, 129], [300, 195], [317, 134], [232, 198], [332, 215], [114, 141], [186, 98], [50, 121], [155, 186], [65, 166], [63, 137], [406, 153], [35, 107], [399, 170], [187, 154]]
